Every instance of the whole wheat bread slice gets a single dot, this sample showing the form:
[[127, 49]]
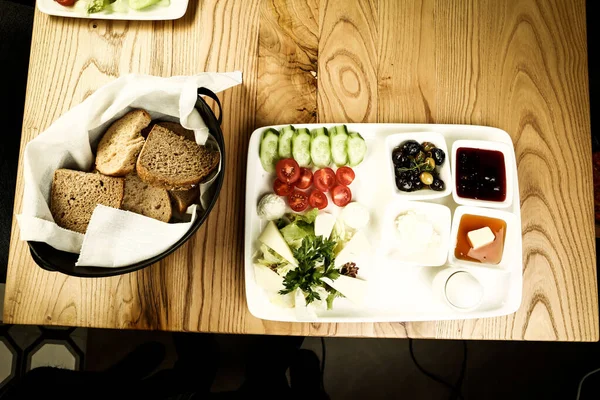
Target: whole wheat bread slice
[[170, 161], [119, 147], [182, 199], [145, 199], [178, 129], [75, 194]]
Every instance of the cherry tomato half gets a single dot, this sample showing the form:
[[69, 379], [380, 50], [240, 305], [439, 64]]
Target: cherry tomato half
[[298, 201], [65, 2], [282, 188], [345, 175], [341, 195], [324, 179], [317, 199], [287, 170], [305, 180]]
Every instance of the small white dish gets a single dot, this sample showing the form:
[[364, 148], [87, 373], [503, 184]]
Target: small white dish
[[508, 153], [458, 289], [393, 141], [433, 255], [512, 237], [175, 10]]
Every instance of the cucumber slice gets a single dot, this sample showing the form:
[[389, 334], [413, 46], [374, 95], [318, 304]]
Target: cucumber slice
[[285, 142], [320, 150], [268, 150], [339, 139], [301, 147], [139, 4], [357, 148]]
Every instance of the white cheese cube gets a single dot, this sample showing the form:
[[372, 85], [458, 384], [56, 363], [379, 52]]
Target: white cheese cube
[[481, 237]]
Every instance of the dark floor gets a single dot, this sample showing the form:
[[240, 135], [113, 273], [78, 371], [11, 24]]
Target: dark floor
[[383, 369], [355, 368]]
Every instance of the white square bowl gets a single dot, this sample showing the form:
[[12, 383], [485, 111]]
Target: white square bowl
[[393, 141], [508, 153], [512, 239], [432, 256]]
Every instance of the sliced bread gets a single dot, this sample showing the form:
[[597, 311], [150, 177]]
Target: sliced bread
[[119, 147], [145, 199], [182, 199], [76, 194], [178, 129], [169, 161]]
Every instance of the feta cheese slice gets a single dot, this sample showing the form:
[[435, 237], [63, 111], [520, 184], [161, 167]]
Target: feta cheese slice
[[273, 239], [268, 279], [481, 237], [353, 288], [357, 246], [324, 225]]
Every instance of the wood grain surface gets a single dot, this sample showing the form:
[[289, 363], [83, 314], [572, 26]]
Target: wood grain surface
[[520, 65]]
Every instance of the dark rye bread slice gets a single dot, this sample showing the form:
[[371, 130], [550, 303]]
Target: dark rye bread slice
[[182, 199], [119, 147], [76, 194], [170, 161], [145, 199]]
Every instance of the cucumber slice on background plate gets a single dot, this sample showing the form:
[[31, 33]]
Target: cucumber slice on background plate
[[285, 141], [140, 4], [320, 150], [339, 138], [301, 147], [268, 153], [357, 148]]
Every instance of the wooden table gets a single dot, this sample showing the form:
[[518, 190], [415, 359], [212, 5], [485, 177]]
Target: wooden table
[[520, 65]]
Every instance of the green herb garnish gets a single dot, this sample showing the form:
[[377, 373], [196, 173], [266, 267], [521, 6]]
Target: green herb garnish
[[315, 261]]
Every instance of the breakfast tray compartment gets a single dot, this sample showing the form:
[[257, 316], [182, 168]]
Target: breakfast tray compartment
[[397, 292]]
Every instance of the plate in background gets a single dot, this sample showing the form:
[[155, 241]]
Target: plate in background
[[175, 10]]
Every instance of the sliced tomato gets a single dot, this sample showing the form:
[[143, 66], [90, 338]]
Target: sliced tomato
[[324, 179], [317, 199], [345, 175], [65, 2], [305, 180], [298, 201], [282, 188], [287, 170], [341, 195]]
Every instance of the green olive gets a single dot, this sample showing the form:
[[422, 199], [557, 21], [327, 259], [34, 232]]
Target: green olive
[[420, 157], [426, 178], [430, 164], [428, 146]]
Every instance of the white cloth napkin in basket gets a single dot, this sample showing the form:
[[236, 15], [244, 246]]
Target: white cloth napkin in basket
[[114, 238]]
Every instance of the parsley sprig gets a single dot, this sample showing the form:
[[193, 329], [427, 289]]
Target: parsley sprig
[[315, 261]]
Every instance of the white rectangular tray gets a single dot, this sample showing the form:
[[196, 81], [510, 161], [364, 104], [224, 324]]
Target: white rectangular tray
[[175, 10], [396, 293]]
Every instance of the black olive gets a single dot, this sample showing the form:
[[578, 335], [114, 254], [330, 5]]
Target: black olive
[[418, 185], [404, 175], [400, 159], [411, 147], [416, 174], [396, 154], [437, 185], [438, 156], [405, 185]]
